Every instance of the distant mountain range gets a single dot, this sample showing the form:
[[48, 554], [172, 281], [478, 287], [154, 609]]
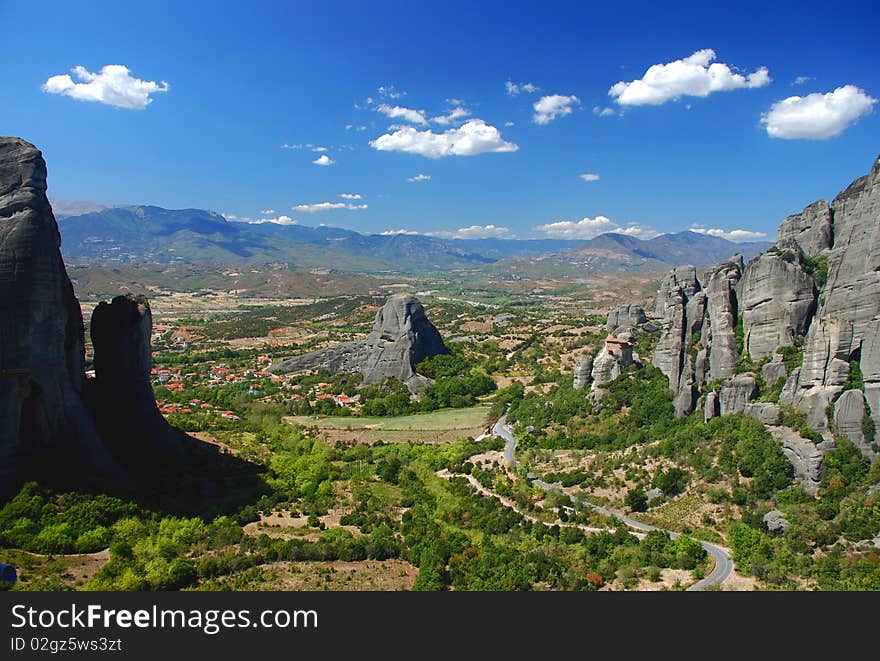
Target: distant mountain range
[[149, 234]]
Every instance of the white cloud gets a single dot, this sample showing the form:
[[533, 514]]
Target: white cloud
[[691, 76], [406, 114], [328, 206], [113, 85], [603, 112], [732, 235], [396, 232], [817, 116], [800, 80], [452, 116], [353, 127], [287, 146], [513, 88], [319, 149], [508, 123], [551, 107], [351, 196], [419, 177], [480, 232], [267, 212], [588, 228], [388, 92], [278, 220], [323, 159], [590, 176], [471, 138]]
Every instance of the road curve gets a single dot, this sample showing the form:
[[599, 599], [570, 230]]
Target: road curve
[[723, 566]]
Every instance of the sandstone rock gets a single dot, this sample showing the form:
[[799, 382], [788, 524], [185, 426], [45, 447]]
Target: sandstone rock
[[402, 336], [681, 278], [804, 455], [722, 308], [125, 407], [810, 230], [764, 411], [582, 372], [46, 424], [775, 521], [710, 407], [595, 397], [849, 412], [626, 316], [777, 302], [736, 393], [774, 370]]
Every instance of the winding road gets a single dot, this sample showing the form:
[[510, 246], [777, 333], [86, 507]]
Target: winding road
[[723, 565]]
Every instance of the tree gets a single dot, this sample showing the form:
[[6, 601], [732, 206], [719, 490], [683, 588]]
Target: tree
[[637, 500]]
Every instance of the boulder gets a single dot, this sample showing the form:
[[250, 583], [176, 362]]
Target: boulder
[[775, 370], [805, 456], [764, 411], [849, 414], [775, 521], [777, 301], [402, 336], [710, 406], [737, 393], [583, 368]]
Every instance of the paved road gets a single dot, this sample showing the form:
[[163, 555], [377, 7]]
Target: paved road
[[723, 565]]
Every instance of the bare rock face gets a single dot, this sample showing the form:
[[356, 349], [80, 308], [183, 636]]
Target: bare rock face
[[775, 521], [777, 302], [766, 412], [583, 369], [805, 456], [626, 316], [774, 370], [810, 231], [683, 305], [723, 312], [711, 408], [737, 393], [42, 382], [402, 336], [125, 408], [849, 413]]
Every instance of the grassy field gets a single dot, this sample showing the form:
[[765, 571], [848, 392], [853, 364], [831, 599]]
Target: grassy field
[[434, 427]]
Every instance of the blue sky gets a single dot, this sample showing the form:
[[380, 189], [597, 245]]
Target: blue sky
[[214, 90]]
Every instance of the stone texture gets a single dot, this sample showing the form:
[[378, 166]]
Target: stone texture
[[774, 370], [810, 231], [764, 411], [682, 305], [402, 336], [804, 455], [710, 406], [46, 424], [775, 521], [124, 404], [777, 302], [737, 393], [849, 411], [583, 368], [625, 316], [722, 308]]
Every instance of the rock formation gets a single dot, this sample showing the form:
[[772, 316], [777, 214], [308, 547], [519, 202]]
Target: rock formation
[[42, 377], [626, 316], [583, 369], [402, 336], [777, 300], [125, 408], [809, 231], [804, 455], [775, 521], [849, 418], [737, 393], [722, 309], [54, 424]]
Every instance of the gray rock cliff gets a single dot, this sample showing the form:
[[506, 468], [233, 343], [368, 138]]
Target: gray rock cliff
[[402, 336]]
